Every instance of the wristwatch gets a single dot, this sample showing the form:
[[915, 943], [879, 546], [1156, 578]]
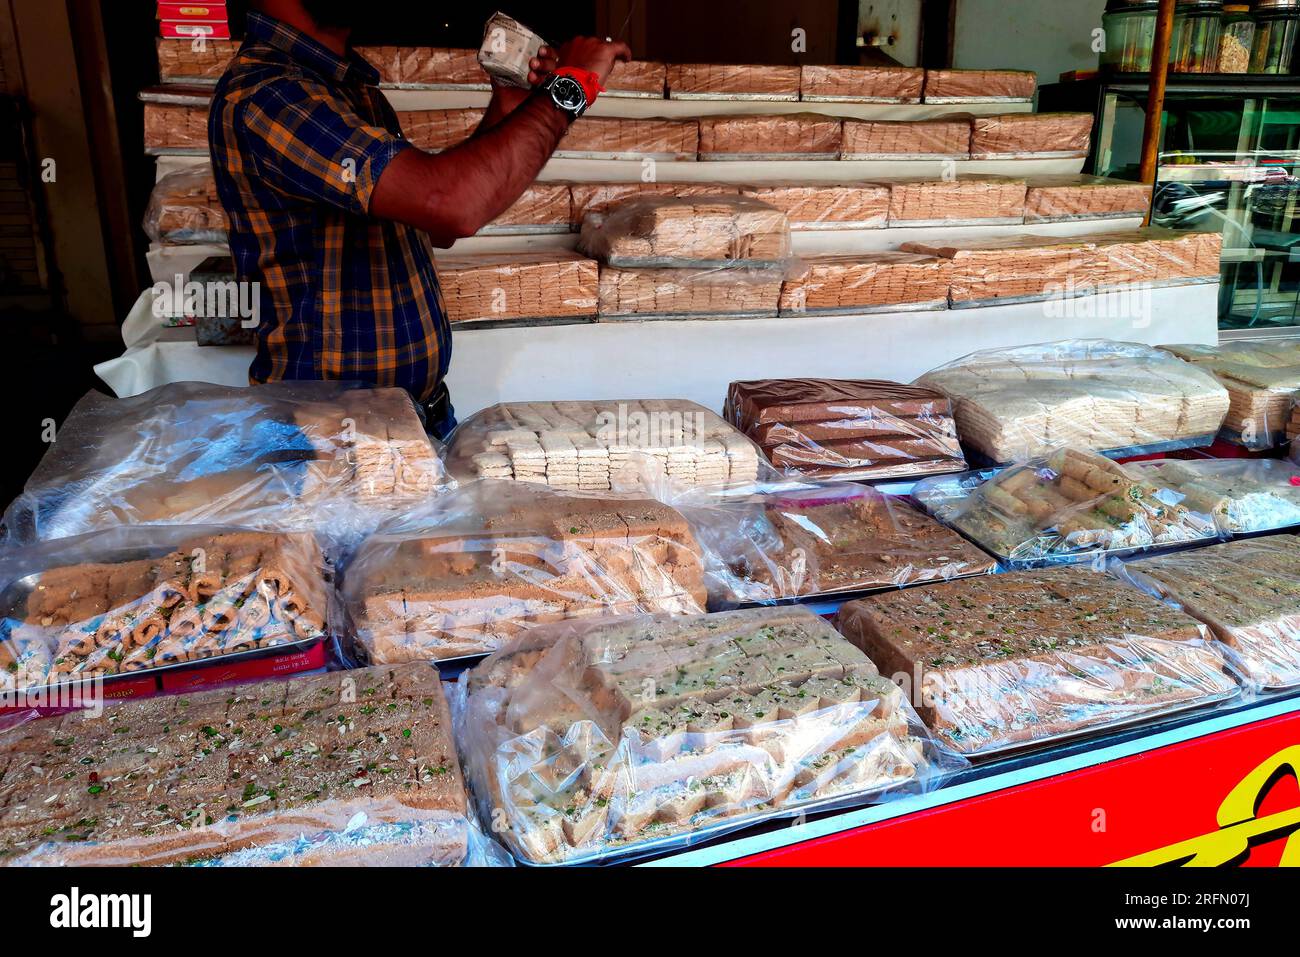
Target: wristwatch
[[573, 90]]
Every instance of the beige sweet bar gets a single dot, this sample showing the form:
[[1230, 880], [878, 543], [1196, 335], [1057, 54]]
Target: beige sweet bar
[[865, 282], [718, 81], [615, 138], [1027, 135], [917, 139], [863, 84], [600, 197], [175, 128], [430, 68], [964, 200], [689, 293], [194, 63], [1059, 198], [1015, 268], [492, 287], [975, 86], [540, 441], [184, 208], [641, 78], [791, 136]]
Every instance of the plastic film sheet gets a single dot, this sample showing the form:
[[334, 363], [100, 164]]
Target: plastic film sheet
[[327, 456], [594, 741], [1020, 403], [184, 209], [1242, 496], [345, 768], [1026, 659], [1262, 379], [480, 566]]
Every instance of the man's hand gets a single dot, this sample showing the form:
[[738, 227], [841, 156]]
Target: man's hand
[[505, 99], [598, 56], [542, 65]]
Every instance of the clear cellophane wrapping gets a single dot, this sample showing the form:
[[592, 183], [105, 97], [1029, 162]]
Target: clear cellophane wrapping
[[1247, 593], [131, 599], [543, 207], [690, 293], [1026, 268], [1262, 378], [1241, 495], [1025, 659], [967, 86], [826, 205], [599, 445], [184, 208], [175, 128], [724, 81], [194, 62], [866, 282], [599, 198], [688, 232], [644, 78], [426, 67], [786, 539], [1013, 135], [436, 130], [594, 740], [485, 287], [479, 566], [328, 456], [621, 138], [846, 429], [507, 49], [868, 84], [790, 136], [1019, 403], [899, 139], [1066, 197], [965, 200], [1067, 506], [345, 768]]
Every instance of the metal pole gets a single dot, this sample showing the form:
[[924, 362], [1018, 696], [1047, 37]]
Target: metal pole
[[1156, 92]]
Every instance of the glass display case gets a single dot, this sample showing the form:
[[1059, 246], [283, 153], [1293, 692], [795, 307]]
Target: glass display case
[[1229, 161]]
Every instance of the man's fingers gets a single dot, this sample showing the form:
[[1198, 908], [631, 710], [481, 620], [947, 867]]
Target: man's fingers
[[622, 51]]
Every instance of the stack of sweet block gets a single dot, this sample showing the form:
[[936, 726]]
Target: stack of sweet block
[[847, 429], [510, 288], [705, 257], [1263, 382]]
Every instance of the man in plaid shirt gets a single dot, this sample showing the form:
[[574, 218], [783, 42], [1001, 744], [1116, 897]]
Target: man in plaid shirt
[[334, 214]]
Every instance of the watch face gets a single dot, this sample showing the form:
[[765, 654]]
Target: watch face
[[568, 93]]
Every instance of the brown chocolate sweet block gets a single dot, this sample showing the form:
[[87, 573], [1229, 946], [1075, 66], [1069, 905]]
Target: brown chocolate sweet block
[[965, 86], [886, 139], [771, 401], [1001, 661], [862, 83], [542, 558], [870, 541], [863, 453], [339, 768], [871, 426], [791, 134], [722, 81]]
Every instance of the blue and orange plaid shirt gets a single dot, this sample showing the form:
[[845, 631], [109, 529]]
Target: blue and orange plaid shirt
[[299, 138]]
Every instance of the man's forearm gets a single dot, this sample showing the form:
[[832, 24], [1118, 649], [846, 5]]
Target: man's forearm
[[457, 192]]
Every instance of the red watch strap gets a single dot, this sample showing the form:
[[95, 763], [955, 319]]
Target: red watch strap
[[590, 81]]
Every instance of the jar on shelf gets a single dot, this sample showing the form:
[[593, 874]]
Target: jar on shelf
[[1276, 24], [1194, 46], [1130, 27], [1236, 38]]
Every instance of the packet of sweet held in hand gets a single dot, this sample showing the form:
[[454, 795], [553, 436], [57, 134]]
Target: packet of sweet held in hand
[[507, 48]]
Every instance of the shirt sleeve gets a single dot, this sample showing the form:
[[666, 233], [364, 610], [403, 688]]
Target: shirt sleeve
[[306, 140]]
